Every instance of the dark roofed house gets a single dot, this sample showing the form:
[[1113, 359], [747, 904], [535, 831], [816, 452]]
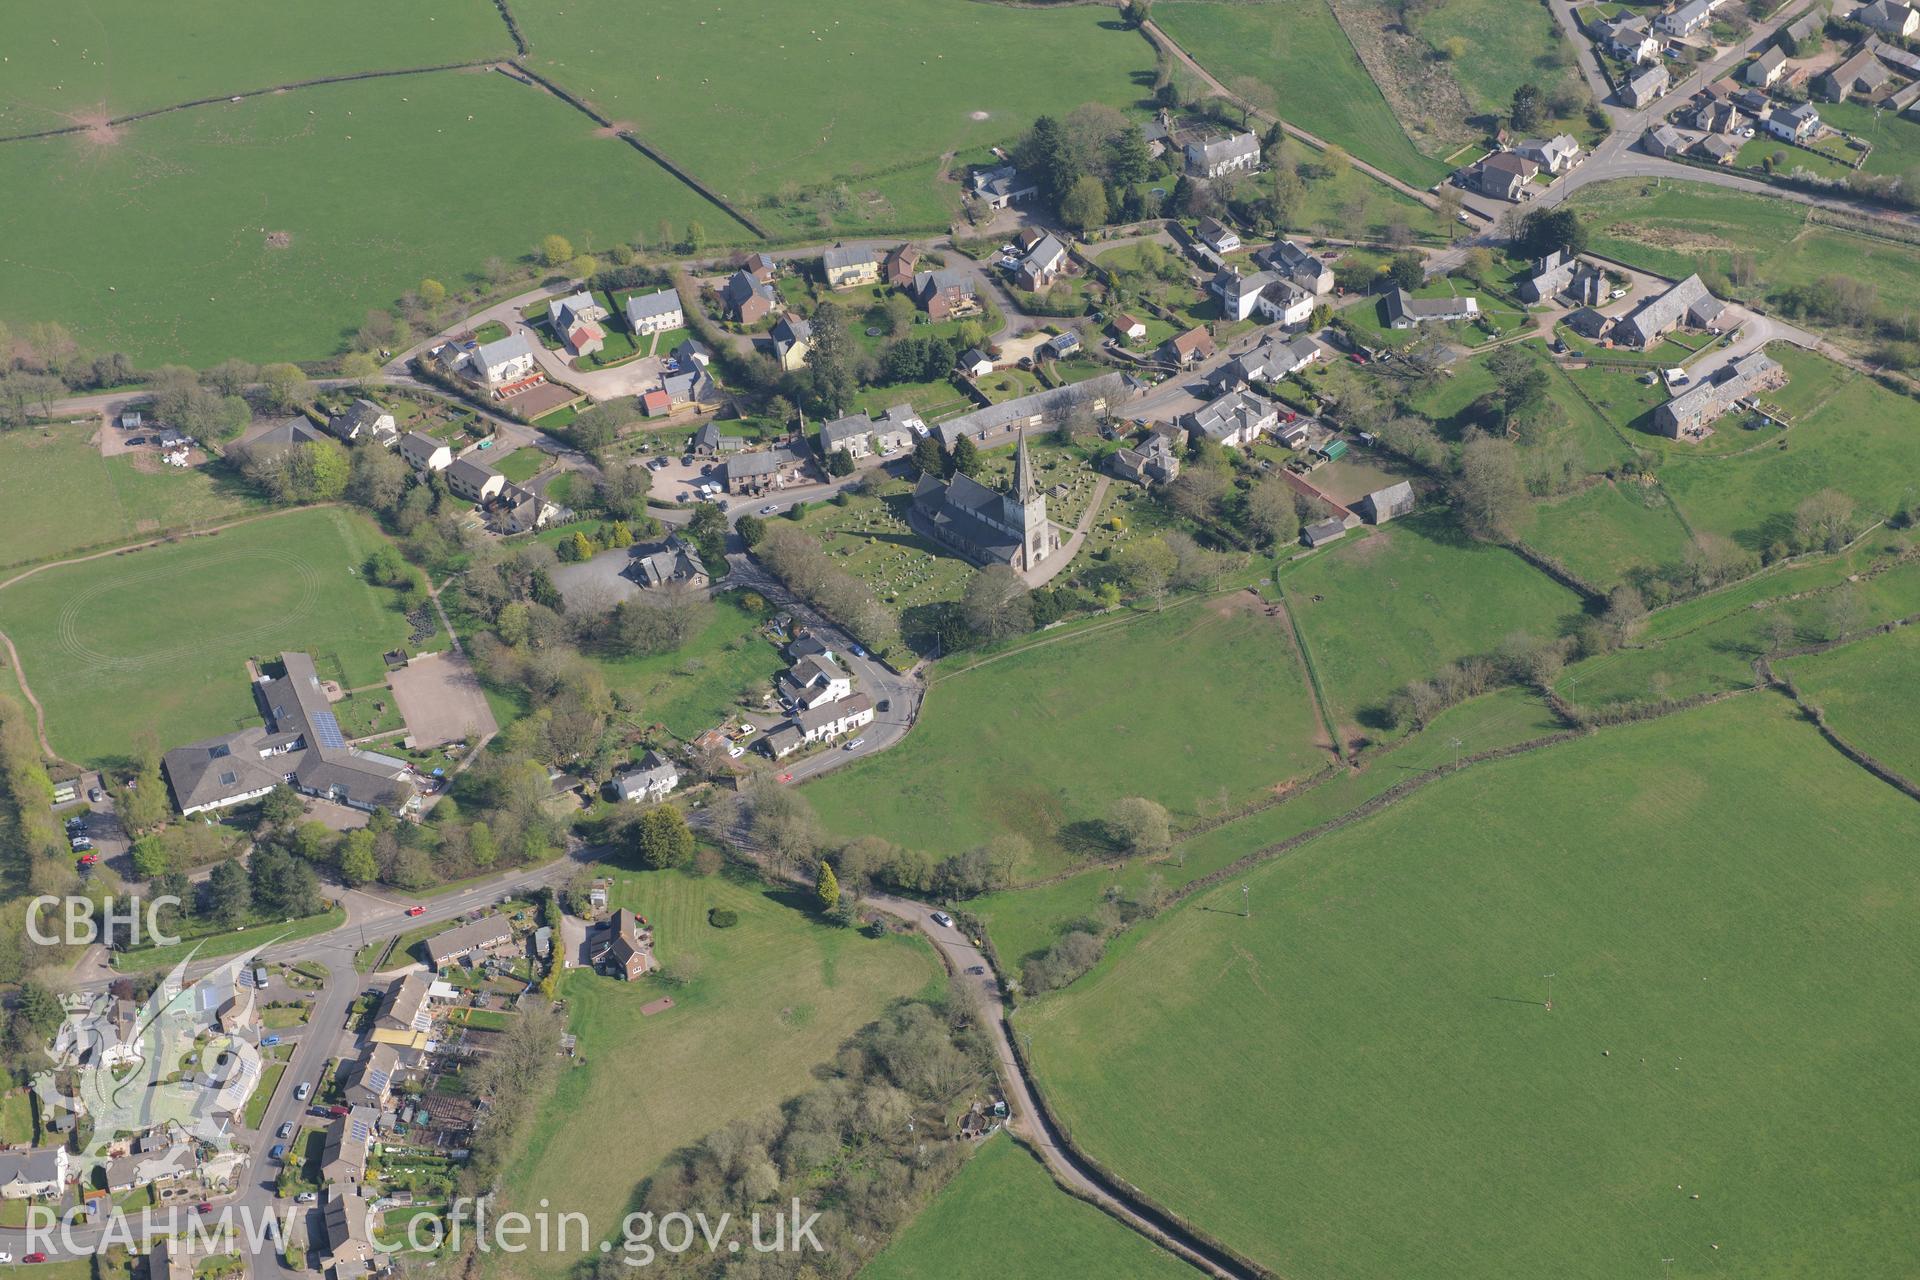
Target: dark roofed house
[[850, 266], [452, 945], [1861, 75], [945, 293], [676, 562], [301, 745], [1404, 311], [628, 953], [747, 299], [900, 264], [1504, 175], [1322, 532], [1006, 185], [1645, 87], [647, 782], [1191, 347], [1717, 149], [364, 418], [369, 1081], [1663, 140], [709, 443], [1043, 408], [1691, 414], [283, 435], [1687, 303], [1589, 323], [762, 471]]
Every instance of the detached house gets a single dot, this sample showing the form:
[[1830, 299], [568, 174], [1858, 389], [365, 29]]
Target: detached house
[[1764, 70], [1291, 262], [1234, 420], [1556, 154], [1796, 125], [791, 338], [648, 782], [812, 682], [1404, 311], [1239, 153], [1688, 303], [424, 453], [655, 312], [1550, 275], [1154, 462], [1646, 87], [1504, 176], [1628, 39], [747, 299], [1189, 348], [364, 419], [1688, 18], [854, 433], [506, 362], [849, 267], [900, 265], [945, 294], [998, 188], [1386, 504], [1861, 75], [1042, 264], [1218, 236]]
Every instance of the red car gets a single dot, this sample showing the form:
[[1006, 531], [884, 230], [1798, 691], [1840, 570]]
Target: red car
[[786, 777], [337, 1110], [88, 859], [416, 911], [35, 1257], [205, 1206]]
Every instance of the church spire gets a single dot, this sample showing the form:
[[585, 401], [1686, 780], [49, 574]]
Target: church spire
[[1022, 471]]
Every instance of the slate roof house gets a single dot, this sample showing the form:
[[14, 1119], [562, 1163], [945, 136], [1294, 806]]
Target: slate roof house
[[822, 724], [1662, 140], [746, 299], [945, 293], [813, 681], [1861, 75], [1645, 87], [301, 745], [424, 453], [1217, 235], [998, 188], [1291, 262], [1096, 395], [1404, 311], [762, 471], [900, 264], [653, 779], [474, 482], [283, 435], [1889, 17], [1689, 415], [1239, 153], [346, 1223], [452, 945], [1628, 38], [986, 525], [850, 266], [1556, 154], [364, 418], [26, 1172], [709, 443], [1154, 462], [854, 433], [1550, 275], [1234, 420], [1504, 175], [1686, 303], [1796, 125], [1688, 18], [792, 338], [1042, 264], [677, 561], [655, 312], [1766, 68]]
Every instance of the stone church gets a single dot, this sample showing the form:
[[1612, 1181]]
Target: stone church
[[986, 525]]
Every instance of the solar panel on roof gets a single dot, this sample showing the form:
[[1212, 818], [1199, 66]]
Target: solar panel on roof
[[327, 730]]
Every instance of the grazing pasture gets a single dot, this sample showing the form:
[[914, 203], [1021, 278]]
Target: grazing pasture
[[1608, 530], [775, 996], [156, 641], [1388, 605], [1200, 707], [1299, 51], [1038, 1230], [1725, 904], [61, 496], [843, 92], [111, 58], [1870, 691], [162, 244]]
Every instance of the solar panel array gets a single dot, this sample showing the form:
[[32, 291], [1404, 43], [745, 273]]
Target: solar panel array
[[327, 730]]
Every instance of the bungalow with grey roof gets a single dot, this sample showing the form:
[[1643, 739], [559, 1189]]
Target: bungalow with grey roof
[[1321, 532], [1217, 235], [1663, 140], [1006, 185], [1404, 311], [26, 1172], [709, 443], [450, 946]]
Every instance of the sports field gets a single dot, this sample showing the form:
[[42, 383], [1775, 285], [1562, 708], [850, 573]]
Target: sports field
[[1675, 228], [60, 496], [1870, 691], [1199, 707], [758, 94], [1725, 905], [775, 997], [1299, 51], [156, 641], [160, 240], [1038, 1230], [1389, 605], [111, 58]]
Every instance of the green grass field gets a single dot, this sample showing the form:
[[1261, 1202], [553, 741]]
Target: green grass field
[[1038, 1230], [522, 465], [62, 497], [1386, 606], [1299, 51], [111, 58], [1678, 228], [228, 944], [862, 91], [156, 641], [157, 244], [1724, 902], [692, 689], [1506, 47], [775, 997], [1605, 532], [1871, 694], [1895, 136], [1199, 707]]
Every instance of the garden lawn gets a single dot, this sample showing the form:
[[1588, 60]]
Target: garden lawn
[[776, 996], [111, 58], [1676, 228], [1724, 903], [158, 245], [1863, 441], [156, 641], [1300, 52], [1385, 606], [523, 464], [693, 689], [1895, 136], [1039, 1231], [1870, 691], [869, 95], [62, 497], [1040, 741]]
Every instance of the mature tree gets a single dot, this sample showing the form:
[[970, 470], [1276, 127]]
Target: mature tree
[[1488, 490], [1529, 108], [1271, 511], [1047, 154], [1408, 269], [1198, 491], [830, 361], [229, 894], [826, 887], [281, 808], [317, 471], [555, 250], [1139, 825], [1136, 11], [284, 388], [661, 838], [996, 604], [356, 861], [1542, 231], [966, 457], [1128, 160], [1147, 567], [840, 462], [361, 367], [1085, 203], [927, 458], [231, 376], [1823, 521]]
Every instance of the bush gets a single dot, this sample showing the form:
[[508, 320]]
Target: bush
[[723, 917]]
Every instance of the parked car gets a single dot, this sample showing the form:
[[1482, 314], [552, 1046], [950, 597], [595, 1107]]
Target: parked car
[[734, 753], [304, 1091], [279, 1151], [205, 1206], [306, 1197], [267, 1042], [770, 509], [80, 842], [885, 704], [96, 795], [133, 440], [856, 744], [976, 970], [858, 652], [5, 1256], [942, 919], [337, 1110], [286, 1129], [35, 1256], [88, 859], [416, 911]]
